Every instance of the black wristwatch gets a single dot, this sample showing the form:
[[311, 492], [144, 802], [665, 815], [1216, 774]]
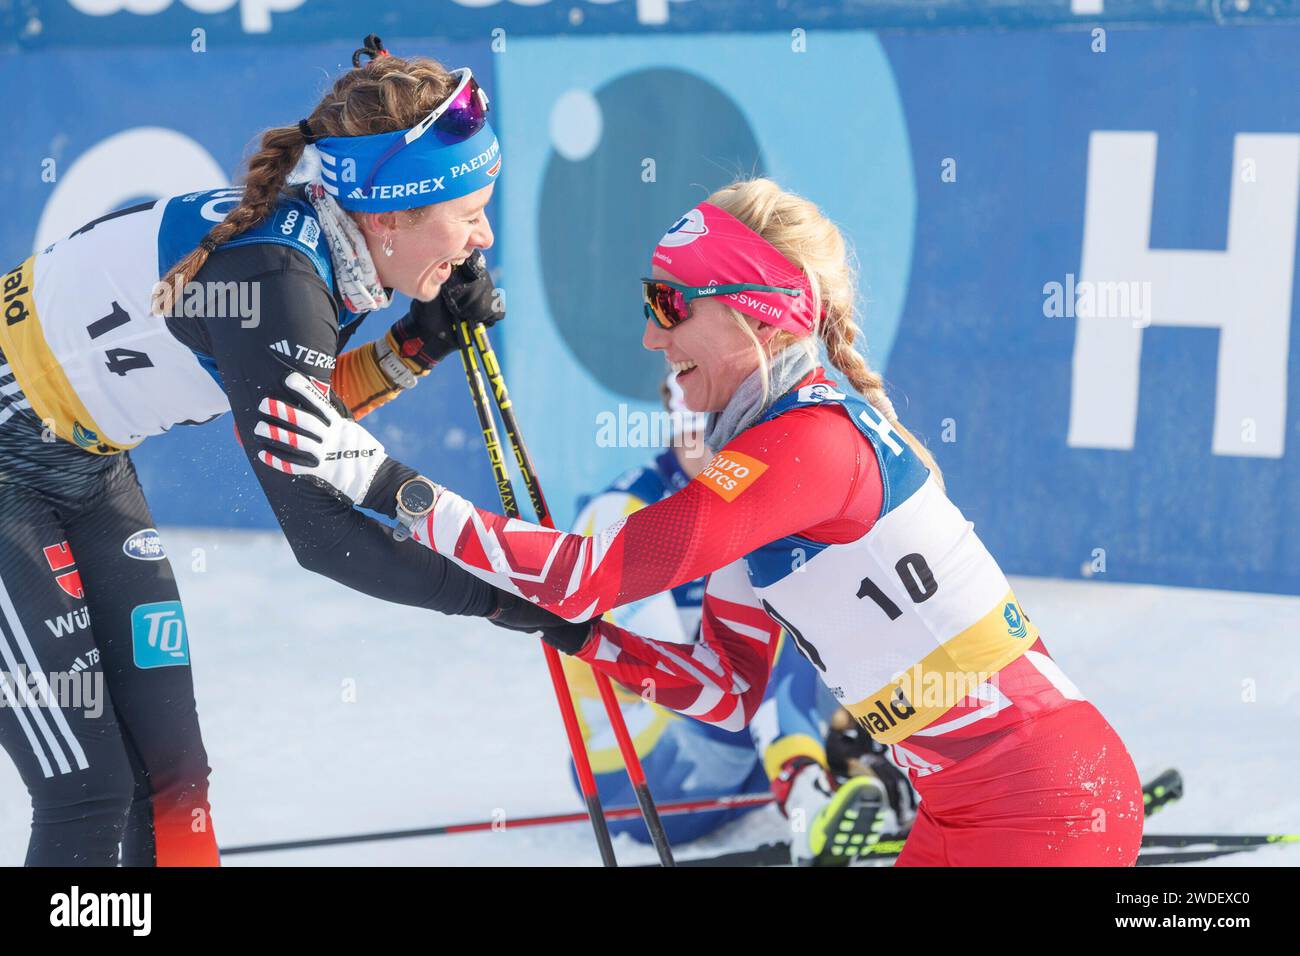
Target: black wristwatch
[[415, 499]]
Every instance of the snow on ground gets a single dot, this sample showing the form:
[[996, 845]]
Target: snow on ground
[[326, 712]]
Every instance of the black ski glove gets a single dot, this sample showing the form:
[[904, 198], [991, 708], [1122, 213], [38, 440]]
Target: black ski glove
[[515, 614], [427, 334]]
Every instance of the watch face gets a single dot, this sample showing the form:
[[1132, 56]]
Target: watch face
[[416, 496]]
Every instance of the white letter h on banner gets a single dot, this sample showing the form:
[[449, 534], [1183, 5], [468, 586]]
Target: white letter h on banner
[[1244, 292]]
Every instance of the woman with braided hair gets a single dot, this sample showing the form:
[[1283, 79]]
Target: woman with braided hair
[[822, 516], [97, 354]]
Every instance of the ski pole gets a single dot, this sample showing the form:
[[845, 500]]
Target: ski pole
[[635, 773], [697, 805], [1179, 841], [505, 489]]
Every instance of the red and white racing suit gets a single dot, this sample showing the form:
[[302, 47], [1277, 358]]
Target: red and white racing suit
[[821, 519]]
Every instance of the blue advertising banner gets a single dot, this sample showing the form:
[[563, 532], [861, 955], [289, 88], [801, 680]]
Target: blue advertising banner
[[44, 23], [1076, 247], [1156, 439], [616, 139], [1081, 297]]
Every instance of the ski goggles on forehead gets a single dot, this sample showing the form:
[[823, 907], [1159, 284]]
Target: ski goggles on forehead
[[459, 116], [669, 303]]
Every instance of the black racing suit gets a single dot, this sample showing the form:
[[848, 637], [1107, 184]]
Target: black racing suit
[[89, 604]]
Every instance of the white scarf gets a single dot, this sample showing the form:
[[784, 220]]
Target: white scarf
[[354, 270]]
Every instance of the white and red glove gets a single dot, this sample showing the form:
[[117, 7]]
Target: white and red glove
[[313, 439]]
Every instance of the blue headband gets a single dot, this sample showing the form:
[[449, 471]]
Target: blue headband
[[424, 171]]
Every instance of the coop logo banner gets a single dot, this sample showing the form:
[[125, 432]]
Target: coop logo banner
[[158, 635], [467, 19], [254, 15]]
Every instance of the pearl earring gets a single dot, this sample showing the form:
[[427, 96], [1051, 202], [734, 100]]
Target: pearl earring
[[388, 246]]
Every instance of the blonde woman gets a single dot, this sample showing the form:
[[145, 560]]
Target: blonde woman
[[821, 514]]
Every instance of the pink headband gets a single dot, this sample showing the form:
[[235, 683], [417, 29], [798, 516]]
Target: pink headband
[[709, 246]]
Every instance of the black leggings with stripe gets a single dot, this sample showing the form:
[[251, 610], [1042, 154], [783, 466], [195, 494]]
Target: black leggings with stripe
[[96, 697]]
